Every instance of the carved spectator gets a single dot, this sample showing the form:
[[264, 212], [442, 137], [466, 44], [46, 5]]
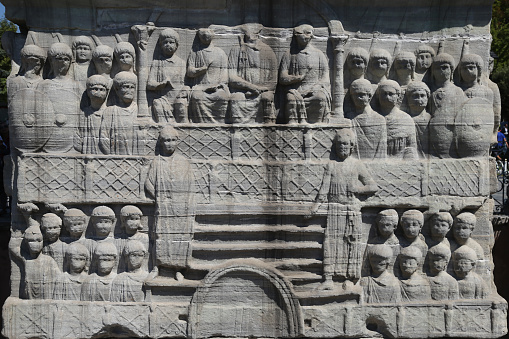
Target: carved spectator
[[440, 225], [103, 61], [381, 286], [128, 286], [97, 286], [417, 96], [51, 225], [30, 74], [414, 287], [379, 65], [424, 55], [443, 285], [130, 217], [68, 285], [356, 65], [82, 68], [125, 57], [471, 285], [411, 223]]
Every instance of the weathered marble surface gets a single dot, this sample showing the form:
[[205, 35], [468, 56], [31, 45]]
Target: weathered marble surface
[[304, 168]]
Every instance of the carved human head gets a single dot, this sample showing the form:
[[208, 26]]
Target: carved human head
[[103, 220], [75, 221], [205, 35], [60, 56], [439, 256], [83, 47], [409, 258], [464, 259], [97, 87], [125, 86], [471, 66], [442, 67], [103, 59], [33, 58], [168, 140], [344, 141], [134, 252], [51, 225], [251, 31], [389, 93], [417, 94], [424, 55], [169, 41], [441, 223], [130, 216], [303, 34], [464, 226], [77, 257], [411, 223], [357, 61], [379, 62], [105, 255], [125, 55], [379, 257], [386, 222], [361, 92], [404, 64], [33, 240]]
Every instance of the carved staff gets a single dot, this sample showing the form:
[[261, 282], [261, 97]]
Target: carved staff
[[142, 34]]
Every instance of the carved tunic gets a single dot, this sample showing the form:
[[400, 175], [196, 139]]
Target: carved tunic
[[401, 133], [97, 288], [128, 287], [415, 288], [40, 276], [370, 128], [68, 287], [118, 130], [383, 289], [88, 135], [443, 287]]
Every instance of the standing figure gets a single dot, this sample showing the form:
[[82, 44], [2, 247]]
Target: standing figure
[[252, 78], [440, 225], [118, 132], [424, 55], [411, 224], [401, 140], [30, 74], [379, 65], [97, 286], [166, 81], [343, 180], [68, 284], [443, 285], [75, 222], [170, 182], [82, 68], [356, 65], [446, 100], [404, 69], [462, 231], [208, 68], [368, 125], [414, 287], [125, 57], [381, 286], [103, 223], [51, 225], [417, 96], [130, 218], [87, 136], [305, 70], [39, 270], [103, 61], [128, 286], [470, 72], [471, 285]]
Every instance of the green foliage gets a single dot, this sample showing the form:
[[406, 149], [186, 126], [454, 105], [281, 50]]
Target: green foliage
[[5, 61], [500, 32], [501, 78]]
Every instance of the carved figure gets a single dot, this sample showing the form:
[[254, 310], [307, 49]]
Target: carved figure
[[462, 231], [380, 62], [170, 182], [128, 286], [51, 225], [497, 100], [414, 286], [68, 284], [130, 217], [382, 286], [443, 285], [75, 222], [411, 223], [440, 225], [446, 99], [82, 68], [103, 61], [166, 80], [356, 65], [305, 71], [369, 126], [471, 285], [125, 57], [208, 68], [39, 271], [417, 96], [252, 78], [424, 55], [87, 136], [97, 286], [470, 71], [401, 135], [103, 223], [30, 74], [118, 132], [404, 69], [343, 180], [386, 223]]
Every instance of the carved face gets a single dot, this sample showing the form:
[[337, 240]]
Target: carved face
[[105, 263], [303, 36], [418, 98], [386, 226], [60, 64], [411, 227], [469, 72], [205, 36], [168, 144], [83, 53], [462, 230], [437, 263], [388, 96], [463, 266], [33, 63], [103, 64], [439, 228], [125, 61], [126, 92], [378, 66], [361, 97], [343, 148], [356, 65], [34, 243], [408, 265], [75, 226], [378, 264], [169, 46], [424, 61], [442, 72], [77, 263], [51, 231], [103, 226], [135, 259], [97, 91], [132, 223]]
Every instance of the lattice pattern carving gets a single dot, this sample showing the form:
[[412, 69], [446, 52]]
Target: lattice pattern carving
[[302, 181], [205, 143], [321, 143], [398, 179], [472, 319], [454, 177]]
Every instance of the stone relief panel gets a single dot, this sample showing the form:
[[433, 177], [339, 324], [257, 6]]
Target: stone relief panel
[[251, 181]]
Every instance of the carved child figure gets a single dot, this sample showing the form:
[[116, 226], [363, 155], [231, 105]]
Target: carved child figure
[[471, 285], [51, 225], [424, 57], [97, 286], [306, 73], [443, 285], [344, 179], [30, 74], [82, 48], [411, 224], [440, 225], [382, 286], [414, 286], [68, 285], [417, 96], [128, 286], [166, 80]]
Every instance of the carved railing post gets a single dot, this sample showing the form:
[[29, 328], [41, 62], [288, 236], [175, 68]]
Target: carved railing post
[[142, 34], [338, 90]]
